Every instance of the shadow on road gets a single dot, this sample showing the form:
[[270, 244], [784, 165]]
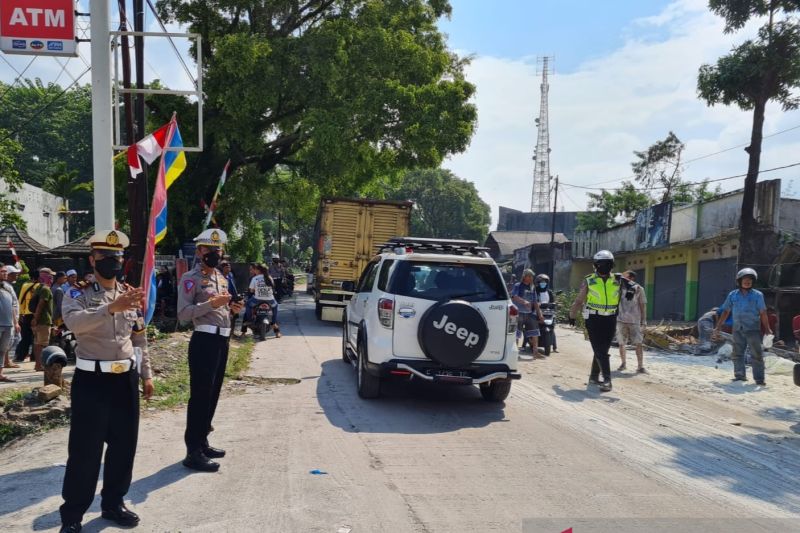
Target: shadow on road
[[581, 395], [411, 407], [751, 465]]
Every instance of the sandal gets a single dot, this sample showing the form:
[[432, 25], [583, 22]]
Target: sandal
[[6, 379], [11, 365]]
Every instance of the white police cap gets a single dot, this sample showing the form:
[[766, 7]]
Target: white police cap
[[109, 240], [211, 237]]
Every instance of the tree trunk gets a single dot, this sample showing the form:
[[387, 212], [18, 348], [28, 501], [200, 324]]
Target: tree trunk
[[748, 249]]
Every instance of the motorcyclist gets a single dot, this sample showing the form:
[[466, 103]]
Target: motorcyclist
[[262, 289], [545, 295]]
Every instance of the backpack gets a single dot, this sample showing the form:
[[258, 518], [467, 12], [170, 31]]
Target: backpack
[[34, 301]]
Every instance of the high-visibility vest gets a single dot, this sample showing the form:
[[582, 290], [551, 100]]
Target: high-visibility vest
[[603, 294]]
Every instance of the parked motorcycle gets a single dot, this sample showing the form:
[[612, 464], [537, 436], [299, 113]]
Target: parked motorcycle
[[65, 339]]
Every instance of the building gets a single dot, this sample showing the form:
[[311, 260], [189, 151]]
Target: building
[[686, 256], [513, 220], [40, 210], [502, 244]]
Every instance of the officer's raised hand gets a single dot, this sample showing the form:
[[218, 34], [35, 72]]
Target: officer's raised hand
[[127, 301]]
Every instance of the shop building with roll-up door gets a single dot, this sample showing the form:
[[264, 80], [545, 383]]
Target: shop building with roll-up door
[[686, 256]]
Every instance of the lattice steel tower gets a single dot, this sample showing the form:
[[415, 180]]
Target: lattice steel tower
[[540, 199]]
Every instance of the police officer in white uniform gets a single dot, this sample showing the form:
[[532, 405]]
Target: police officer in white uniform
[[203, 298], [112, 356]]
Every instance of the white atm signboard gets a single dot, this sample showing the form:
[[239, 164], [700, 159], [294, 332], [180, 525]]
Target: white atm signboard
[[38, 27]]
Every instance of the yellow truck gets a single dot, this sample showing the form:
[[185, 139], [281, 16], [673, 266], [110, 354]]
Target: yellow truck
[[346, 236]]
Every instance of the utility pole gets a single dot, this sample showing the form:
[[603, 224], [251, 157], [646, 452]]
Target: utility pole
[[102, 133], [280, 244], [553, 233]]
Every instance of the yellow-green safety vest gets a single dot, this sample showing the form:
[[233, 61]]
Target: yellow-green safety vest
[[602, 295]]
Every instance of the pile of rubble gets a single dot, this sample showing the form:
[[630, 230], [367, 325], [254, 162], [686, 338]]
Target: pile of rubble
[[42, 406]]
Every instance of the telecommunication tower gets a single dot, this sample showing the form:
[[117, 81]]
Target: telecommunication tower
[[540, 199]]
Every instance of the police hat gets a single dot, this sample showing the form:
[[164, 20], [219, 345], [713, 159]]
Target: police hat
[[211, 237], [111, 240]]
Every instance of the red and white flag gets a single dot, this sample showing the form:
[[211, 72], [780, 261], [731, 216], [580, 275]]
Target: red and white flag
[[13, 253], [148, 149]]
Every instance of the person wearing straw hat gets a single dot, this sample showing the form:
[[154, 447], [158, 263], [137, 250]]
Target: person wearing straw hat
[[106, 318], [203, 298]]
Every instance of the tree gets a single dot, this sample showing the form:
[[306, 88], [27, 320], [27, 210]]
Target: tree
[[620, 205], [760, 70], [9, 209], [65, 185], [340, 92], [445, 206], [660, 165]]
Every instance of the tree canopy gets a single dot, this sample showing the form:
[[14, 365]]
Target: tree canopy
[[9, 209], [445, 206]]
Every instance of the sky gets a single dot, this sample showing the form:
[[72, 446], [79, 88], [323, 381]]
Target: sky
[[625, 76]]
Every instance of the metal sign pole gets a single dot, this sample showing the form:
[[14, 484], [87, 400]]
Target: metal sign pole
[[102, 133]]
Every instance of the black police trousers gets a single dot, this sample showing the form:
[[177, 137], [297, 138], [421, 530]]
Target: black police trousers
[[601, 332], [105, 409], [26, 339], [208, 356]]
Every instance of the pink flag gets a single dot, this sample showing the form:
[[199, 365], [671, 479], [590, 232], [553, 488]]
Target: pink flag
[[148, 149]]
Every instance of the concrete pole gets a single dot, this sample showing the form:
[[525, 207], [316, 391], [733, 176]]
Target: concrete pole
[[101, 116]]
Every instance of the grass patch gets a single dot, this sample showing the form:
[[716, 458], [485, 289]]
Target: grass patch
[[13, 395], [239, 356]]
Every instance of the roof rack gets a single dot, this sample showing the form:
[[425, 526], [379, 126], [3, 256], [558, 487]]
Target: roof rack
[[428, 245]]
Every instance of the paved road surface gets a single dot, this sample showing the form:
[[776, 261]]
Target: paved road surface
[[679, 449]]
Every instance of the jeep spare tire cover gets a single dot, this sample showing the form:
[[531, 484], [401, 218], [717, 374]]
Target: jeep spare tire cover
[[453, 333]]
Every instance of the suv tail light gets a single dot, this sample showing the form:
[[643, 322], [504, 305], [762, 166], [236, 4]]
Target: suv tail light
[[386, 312], [513, 313]]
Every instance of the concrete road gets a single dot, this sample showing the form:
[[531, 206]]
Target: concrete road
[[680, 448]]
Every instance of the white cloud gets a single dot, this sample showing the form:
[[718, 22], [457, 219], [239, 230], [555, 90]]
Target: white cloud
[[609, 107]]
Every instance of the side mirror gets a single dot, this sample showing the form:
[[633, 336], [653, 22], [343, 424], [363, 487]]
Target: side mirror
[[349, 286]]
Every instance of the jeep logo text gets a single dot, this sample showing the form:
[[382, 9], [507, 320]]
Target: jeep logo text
[[470, 339]]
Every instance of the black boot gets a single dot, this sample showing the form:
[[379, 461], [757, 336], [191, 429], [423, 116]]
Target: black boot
[[213, 453], [75, 527], [121, 515], [605, 386], [197, 460]]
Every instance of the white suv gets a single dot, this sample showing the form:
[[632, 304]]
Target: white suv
[[433, 309]]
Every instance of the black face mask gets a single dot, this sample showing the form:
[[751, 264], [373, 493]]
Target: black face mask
[[211, 259], [108, 267], [604, 267]]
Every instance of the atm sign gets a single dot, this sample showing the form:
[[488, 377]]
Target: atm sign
[[35, 22]]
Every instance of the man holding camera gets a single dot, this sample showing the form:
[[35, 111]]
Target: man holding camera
[[204, 299], [631, 319]]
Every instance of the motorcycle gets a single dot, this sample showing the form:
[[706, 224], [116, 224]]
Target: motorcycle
[[65, 339], [547, 327], [261, 320]]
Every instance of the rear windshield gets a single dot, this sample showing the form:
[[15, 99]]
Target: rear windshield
[[446, 281]]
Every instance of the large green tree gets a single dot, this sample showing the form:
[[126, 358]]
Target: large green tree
[[445, 206], [52, 126], [337, 92], [9, 209], [760, 70]]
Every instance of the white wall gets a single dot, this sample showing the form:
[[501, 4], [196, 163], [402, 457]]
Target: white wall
[[40, 212]]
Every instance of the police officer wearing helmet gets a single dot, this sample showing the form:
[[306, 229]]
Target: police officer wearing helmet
[[204, 299], [112, 356], [600, 293], [749, 317]]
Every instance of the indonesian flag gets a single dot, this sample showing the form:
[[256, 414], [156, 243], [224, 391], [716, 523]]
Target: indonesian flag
[[148, 149], [13, 253]]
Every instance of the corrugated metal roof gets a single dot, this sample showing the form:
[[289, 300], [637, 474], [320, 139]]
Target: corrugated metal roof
[[508, 241]]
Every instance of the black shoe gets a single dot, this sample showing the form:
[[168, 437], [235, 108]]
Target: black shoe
[[594, 381], [605, 386], [213, 453], [121, 515], [71, 528], [739, 378], [198, 461], [762, 383]]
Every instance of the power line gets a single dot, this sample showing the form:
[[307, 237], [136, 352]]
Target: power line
[[689, 161], [171, 42], [45, 107], [19, 75], [689, 183]]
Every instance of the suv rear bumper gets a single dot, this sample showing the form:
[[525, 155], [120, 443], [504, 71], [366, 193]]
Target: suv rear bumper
[[431, 371]]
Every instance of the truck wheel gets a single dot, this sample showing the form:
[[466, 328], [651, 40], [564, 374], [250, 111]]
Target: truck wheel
[[369, 386], [318, 311], [345, 357], [496, 391]]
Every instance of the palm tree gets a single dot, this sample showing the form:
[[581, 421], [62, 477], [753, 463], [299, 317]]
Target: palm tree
[[64, 184]]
